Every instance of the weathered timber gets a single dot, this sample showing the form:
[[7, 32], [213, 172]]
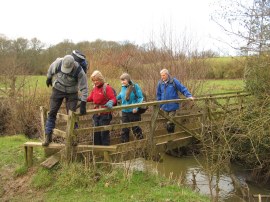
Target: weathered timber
[[177, 123], [70, 136], [176, 143], [52, 160], [43, 115], [150, 137], [206, 107], [28, 156], [84, 131], [58, 132], [28, 147]]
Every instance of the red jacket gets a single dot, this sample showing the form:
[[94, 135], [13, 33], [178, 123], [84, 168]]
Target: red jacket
[[98, 98]]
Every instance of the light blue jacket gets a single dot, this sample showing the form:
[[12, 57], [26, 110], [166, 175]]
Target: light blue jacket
[[169, 91], [133, 99]]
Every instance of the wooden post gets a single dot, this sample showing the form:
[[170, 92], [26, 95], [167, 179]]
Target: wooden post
[[43, 116], [70, 136], [106, 156], [28, 156], [150, 138]]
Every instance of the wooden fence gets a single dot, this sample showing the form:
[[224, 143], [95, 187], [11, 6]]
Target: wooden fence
[[188, 121]]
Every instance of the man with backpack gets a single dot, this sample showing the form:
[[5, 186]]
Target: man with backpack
[[66, 77], [167, 89]]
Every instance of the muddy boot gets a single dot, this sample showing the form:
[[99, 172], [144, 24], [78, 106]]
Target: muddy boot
[[48, 140], [170, 127]]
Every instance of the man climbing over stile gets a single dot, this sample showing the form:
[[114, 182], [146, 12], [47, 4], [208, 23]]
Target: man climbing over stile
[[66, 77]]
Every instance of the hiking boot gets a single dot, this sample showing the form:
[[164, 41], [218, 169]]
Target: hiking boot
[[48, 140]]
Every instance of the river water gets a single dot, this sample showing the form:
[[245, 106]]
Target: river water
[[185, 169]]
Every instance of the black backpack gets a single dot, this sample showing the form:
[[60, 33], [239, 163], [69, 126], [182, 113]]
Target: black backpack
[[81, 59], [141, 110]]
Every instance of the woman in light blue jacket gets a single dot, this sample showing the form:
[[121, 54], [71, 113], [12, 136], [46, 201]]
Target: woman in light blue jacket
[[131, 93]]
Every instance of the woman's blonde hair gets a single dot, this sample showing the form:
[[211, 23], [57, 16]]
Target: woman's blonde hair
[[96, 75]]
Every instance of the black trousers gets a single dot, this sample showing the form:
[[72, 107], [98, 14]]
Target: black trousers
[[130, 117], [102, 137], [56, 100]]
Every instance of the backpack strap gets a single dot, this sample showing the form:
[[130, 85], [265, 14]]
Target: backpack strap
[[173, 83], [74, 75], [105, 91]]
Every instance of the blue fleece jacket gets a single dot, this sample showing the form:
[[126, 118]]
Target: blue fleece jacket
[[169, 91], [133, 99]]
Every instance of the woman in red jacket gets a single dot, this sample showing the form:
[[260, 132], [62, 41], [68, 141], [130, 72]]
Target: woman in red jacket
[[102, 96]]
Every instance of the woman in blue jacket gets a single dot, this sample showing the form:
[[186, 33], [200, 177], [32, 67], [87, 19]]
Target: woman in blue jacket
[[130, 93], [167, 89]]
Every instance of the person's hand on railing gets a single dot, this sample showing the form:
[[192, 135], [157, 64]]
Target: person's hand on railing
[[83, 108], [109, 104]]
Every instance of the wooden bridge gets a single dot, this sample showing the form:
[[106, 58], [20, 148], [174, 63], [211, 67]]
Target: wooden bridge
[[189, 122]]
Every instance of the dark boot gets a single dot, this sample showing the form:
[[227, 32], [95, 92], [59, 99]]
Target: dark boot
[[48, 140], [170, 127]]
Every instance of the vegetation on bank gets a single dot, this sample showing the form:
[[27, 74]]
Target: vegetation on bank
[[76, 183]]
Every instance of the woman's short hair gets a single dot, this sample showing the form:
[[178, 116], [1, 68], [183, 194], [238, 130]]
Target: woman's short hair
[[98, 76]]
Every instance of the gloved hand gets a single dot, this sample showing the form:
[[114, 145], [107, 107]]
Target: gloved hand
[[49, 82], [83, 108], [109, 104]]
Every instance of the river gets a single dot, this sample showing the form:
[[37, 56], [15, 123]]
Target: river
[[185, 169]]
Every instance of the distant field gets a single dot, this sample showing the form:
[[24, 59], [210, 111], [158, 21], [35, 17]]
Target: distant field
[[209, 87], [223, 86]]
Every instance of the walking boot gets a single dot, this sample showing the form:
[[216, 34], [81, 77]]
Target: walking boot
[[48, 140]]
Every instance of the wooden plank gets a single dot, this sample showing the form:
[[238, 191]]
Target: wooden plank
[[78, 147], [52, 160], [29, 156], [62, 116], [150, 137], [43, 118], [25, 155], [59, 132], [109, 127], [177, 123], [70, 136]]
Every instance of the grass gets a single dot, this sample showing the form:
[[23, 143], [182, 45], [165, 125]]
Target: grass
[[12, 153], [76, 183], [223, 86]]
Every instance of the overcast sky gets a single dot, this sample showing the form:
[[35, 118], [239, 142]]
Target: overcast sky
[[137, 21]]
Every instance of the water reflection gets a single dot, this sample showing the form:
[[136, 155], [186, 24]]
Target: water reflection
[[185, 169]]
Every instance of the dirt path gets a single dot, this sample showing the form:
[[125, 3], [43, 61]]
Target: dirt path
[[18, 188]]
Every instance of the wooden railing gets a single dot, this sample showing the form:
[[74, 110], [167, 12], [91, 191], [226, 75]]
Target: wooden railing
[[188, 122]]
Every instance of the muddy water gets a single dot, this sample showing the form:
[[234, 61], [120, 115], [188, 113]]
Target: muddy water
[[186, 169]]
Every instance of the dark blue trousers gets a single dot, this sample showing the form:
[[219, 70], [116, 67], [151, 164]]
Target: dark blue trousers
[[102, 137]]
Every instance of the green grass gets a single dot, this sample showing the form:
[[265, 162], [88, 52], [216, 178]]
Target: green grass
[[223, 86], [74, 182], [114, 186], [12, 152]]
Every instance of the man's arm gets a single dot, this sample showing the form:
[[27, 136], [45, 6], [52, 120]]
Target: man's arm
[[183, 89], [83, 85]]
